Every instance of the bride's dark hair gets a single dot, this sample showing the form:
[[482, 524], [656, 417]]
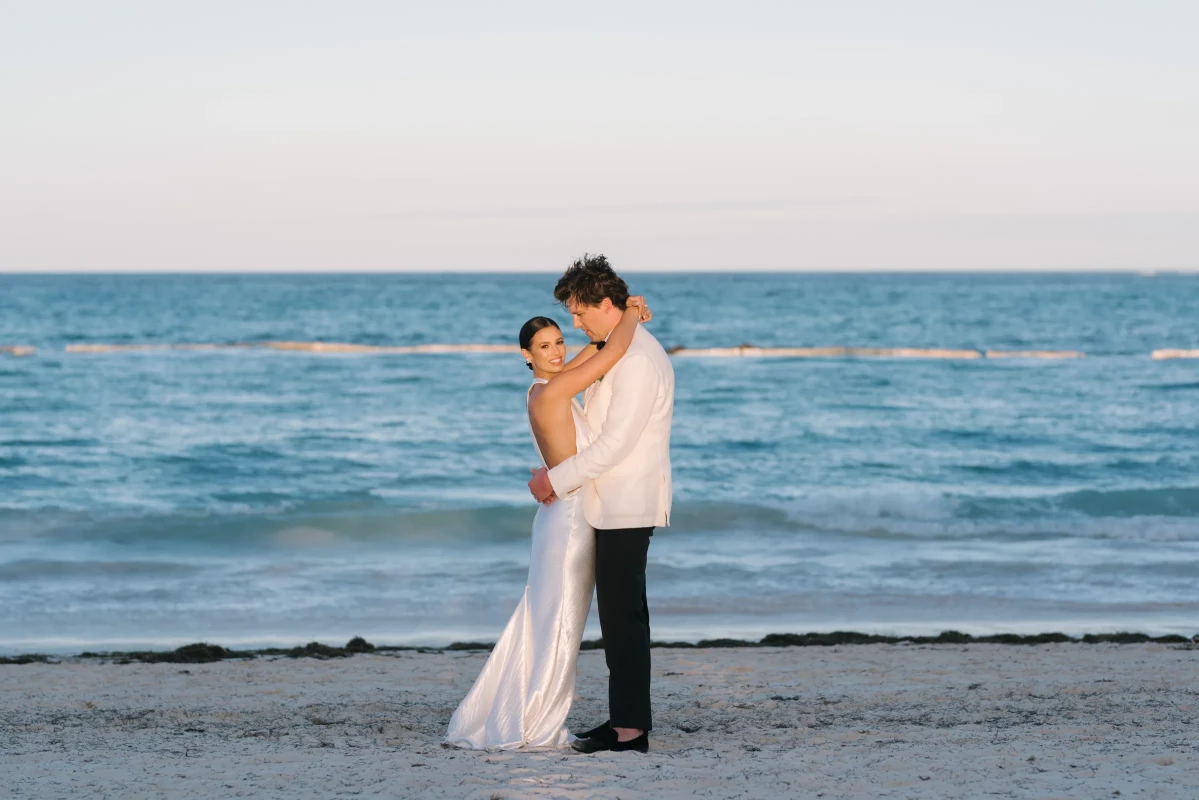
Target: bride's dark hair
[[530, 328]]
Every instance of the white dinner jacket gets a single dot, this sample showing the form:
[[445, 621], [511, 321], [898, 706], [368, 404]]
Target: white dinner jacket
[[625, 471]]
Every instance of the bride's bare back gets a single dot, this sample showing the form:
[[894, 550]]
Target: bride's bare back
[[553, 426]]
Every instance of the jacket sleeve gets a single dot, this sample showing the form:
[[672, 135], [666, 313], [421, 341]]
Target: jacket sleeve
[[635, 382]]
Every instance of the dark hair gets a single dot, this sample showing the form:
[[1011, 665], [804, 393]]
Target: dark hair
[[530, 328], [589, 280]]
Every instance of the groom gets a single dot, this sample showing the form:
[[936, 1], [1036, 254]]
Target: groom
[[625, 475]]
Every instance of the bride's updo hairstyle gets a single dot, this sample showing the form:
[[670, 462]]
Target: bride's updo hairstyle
[[530, 328]]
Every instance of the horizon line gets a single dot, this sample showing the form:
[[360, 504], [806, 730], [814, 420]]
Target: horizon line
[[1141, 271]]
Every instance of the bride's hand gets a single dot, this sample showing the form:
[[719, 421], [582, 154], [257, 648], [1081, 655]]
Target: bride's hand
[[637, 303]]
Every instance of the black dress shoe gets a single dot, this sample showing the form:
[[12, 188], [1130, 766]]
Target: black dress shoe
[[608, 741], [597, 730]]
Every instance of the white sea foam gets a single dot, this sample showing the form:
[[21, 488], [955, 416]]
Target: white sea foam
[[1163, 355], [740, 351]]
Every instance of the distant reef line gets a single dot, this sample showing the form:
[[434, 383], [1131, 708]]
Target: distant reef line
[[739, 351], [203, 652]]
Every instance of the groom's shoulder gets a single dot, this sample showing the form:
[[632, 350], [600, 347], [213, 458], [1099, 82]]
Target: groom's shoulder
[[646, 343]]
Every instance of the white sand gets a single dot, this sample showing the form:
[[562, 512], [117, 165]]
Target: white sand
[[1082, 721]]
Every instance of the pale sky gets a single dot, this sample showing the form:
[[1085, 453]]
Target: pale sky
[[360, 136]]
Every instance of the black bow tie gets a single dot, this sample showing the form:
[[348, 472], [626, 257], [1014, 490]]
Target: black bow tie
[[600, 344]]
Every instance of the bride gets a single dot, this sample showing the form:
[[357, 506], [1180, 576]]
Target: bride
[[524, 692]]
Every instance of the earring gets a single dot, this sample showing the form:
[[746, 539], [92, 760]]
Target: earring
[[529, 364]]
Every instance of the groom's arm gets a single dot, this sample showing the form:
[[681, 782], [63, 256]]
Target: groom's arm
[[634, 389]]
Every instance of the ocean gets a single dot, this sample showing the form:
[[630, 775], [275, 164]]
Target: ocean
[[251, 496]]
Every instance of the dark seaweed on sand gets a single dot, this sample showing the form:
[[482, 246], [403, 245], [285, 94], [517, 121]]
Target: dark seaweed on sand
[[204, 653]]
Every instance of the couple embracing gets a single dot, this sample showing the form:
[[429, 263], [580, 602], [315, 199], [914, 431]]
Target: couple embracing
[[603, 486]]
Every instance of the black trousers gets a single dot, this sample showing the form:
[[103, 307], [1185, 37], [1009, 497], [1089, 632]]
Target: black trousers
[[624, 622]]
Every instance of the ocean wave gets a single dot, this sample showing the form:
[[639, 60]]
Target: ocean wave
[[746, 350], [1026, 470], [740, 351], [348, 520], [344, 520], [35, 569], [1163, 514], [1167, 502], [750, 351], [55, 443], [1180, 501], [295, 347], [361, 519], [1170, 387]]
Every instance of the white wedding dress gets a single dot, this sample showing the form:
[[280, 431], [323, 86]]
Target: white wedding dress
[[522, 696]]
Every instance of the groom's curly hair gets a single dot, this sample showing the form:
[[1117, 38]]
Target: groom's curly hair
[[589, 280]]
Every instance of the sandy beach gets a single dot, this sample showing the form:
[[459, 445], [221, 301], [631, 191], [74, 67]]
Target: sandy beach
[[928, 721]]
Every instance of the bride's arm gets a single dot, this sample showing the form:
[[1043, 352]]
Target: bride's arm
[[578, 358], [569, 382], [587, 352]]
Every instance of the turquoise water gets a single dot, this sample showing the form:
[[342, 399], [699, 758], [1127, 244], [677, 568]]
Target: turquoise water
[[251, 496]]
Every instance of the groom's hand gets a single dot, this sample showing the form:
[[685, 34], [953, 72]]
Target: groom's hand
[[540, 486]]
